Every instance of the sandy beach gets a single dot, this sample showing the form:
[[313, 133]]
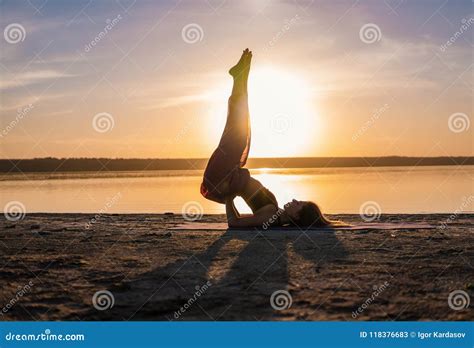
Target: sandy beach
[[53, 264]]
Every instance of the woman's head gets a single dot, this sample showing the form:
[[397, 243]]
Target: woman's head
[[305, 214]]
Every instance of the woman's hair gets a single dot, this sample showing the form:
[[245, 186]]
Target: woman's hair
[[311, 215]]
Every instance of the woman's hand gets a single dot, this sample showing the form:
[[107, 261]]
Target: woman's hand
[[231, 212]]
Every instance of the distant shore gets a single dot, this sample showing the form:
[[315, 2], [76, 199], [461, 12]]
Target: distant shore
[[51, 164]]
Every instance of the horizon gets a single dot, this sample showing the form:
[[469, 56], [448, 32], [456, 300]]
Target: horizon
[[149, 80], [250, 159], [52, 165]]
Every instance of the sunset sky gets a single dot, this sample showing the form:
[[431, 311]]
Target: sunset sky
[[320, 84]]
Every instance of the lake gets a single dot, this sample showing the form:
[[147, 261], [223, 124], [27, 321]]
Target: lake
[[440, 189]]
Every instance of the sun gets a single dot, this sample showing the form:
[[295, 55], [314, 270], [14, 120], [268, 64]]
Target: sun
[[283, 117]]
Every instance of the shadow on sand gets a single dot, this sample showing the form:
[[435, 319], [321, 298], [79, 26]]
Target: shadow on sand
[[235, 277]]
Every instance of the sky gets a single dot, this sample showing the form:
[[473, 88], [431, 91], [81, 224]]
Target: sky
[[140, 79]]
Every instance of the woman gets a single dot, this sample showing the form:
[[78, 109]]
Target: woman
[[225, 178]]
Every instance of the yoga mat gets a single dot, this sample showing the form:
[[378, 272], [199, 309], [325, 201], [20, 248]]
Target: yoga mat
[[200, 226]]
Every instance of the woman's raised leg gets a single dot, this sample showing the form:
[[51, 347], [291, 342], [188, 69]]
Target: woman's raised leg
[[235, 140], [223, 175]]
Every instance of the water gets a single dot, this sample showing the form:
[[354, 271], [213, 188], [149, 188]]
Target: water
[[442, 189]]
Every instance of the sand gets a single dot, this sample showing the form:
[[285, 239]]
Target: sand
[[53, 264]]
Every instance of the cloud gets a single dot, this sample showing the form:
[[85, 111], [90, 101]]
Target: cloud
[[177, 101], [31, 77]]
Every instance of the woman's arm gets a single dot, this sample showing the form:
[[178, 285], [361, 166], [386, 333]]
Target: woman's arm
[[257, 220], [230, 210]]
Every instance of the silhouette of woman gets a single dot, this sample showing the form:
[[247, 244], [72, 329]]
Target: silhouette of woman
[[225, 178]]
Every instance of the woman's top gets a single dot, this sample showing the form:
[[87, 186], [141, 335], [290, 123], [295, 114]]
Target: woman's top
[[261, 198]]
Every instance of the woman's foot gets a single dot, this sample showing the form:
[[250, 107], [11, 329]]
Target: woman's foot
[[242, 68], [240, 73]]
